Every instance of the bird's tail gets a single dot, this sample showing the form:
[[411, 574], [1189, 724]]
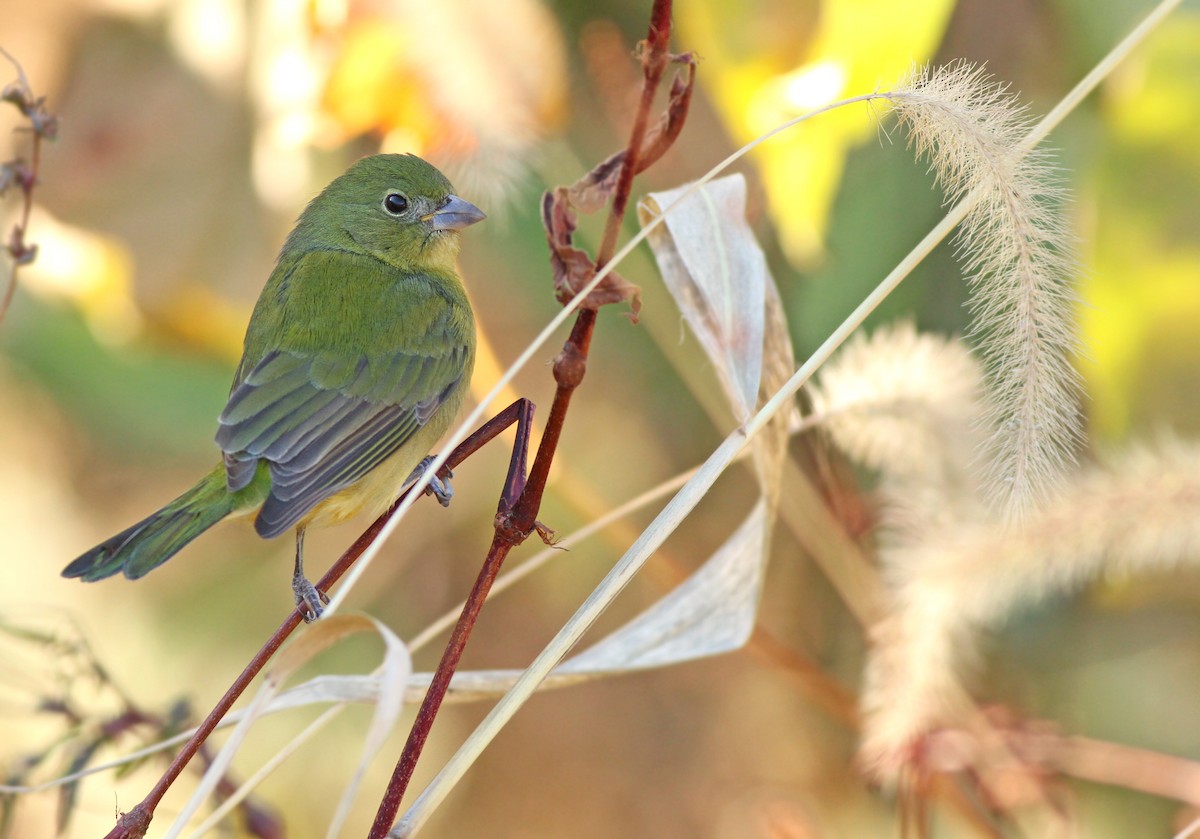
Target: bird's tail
[[152, 541]]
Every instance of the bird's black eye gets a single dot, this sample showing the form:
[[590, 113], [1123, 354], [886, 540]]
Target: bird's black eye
[[395, 203]]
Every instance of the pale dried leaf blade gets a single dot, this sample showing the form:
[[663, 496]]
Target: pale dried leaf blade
[[396, 669], [713, 266], [318, 637], [709, 613], [778, 365]]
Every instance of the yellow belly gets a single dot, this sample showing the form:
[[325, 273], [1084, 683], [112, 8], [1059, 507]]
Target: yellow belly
[[373, 493]]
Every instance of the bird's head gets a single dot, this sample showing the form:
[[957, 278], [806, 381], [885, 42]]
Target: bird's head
[[395, 207]]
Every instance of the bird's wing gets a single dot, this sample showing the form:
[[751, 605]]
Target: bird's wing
[[323, 419]]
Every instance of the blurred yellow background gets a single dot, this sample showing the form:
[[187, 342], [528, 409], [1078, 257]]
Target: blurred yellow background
[[192, 134]]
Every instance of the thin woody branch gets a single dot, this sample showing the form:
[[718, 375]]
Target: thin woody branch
[[133, 824]]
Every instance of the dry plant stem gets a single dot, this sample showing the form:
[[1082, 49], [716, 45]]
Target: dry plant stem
[[821, 689], [514, 485], [571, 364], [23, 225], [515, 523], [656, 56], [419, 733], [134, 823], [1153, 773], [42, 125]]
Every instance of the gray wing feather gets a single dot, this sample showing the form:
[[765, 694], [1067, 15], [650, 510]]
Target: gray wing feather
[[321, 424]]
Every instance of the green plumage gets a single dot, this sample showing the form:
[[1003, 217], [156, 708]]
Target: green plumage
[[358, 356]]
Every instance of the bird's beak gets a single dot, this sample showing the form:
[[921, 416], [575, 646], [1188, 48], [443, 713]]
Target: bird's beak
[[454, 214]]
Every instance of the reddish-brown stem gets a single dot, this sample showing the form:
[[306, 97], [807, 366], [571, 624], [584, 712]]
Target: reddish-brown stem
[[569, 369], [521, 412], [571, 364], [136, 821], [419, 733], [655, 58]]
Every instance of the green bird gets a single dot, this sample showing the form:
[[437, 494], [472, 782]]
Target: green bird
[[357, 358]]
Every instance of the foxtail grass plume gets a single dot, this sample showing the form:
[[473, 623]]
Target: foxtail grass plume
[[1015, 247], [899, 401], [1140, 515]]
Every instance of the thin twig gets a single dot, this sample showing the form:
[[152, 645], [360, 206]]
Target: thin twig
[[419, 733], [42, 126], [134, 823]]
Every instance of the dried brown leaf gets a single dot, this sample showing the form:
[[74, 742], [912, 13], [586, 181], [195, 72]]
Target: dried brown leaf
[[573, 268]]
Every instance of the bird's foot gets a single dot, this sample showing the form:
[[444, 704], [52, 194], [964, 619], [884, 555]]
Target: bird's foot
[[309, 600], [439, 488]]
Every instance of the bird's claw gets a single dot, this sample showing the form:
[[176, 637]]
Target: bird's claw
[[309, 599], [438, 487]]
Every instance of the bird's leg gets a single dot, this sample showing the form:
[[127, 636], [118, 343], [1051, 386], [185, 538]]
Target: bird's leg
[[309, 601], [438, 488]]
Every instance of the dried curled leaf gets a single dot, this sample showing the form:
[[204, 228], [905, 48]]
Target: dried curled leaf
[[662, 136], [573, 268]]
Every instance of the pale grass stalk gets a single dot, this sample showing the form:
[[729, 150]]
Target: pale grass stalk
[[1192, 829], [1140, 516], [222, 810], [116, 763]]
